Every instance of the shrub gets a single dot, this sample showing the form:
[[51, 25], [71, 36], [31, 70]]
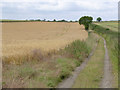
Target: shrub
[[107, 29], [78, 49]]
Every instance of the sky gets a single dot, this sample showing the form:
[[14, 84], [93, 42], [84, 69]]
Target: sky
[[59, 9]]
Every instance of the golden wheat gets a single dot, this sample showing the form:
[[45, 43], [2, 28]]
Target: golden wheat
[[23, 37]]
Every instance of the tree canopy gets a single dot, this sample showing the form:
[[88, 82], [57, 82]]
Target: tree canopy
[[85, 20], [99, 19], [54, 20]]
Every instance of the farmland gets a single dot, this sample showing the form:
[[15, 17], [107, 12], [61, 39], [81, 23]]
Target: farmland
[[22, 37], [111, 25], [38, 53], [43, 54], [57, 44]]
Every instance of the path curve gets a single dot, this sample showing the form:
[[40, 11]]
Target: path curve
[[68, 82], [107, 78]]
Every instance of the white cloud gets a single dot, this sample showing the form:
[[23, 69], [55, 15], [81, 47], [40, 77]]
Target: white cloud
[[73, 7], [50, 6], [61, 4]]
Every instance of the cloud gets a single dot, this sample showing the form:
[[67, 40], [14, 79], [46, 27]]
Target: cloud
[[72, 9], [54, 5]]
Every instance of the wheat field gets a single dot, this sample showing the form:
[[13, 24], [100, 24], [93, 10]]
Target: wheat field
[[23, 37]]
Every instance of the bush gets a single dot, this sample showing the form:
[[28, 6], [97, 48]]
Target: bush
[[107, 29], [78, 49]]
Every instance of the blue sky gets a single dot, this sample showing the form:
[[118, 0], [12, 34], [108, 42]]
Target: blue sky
[[59, 9]]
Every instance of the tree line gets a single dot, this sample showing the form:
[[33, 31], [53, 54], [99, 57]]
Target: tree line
[[54, 20], [99, 19]]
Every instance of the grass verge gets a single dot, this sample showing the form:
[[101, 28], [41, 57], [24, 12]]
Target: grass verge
[[92, 74], [111, 38]]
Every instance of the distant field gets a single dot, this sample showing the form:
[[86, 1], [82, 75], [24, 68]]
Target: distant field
[[111, 25], [23, 37]]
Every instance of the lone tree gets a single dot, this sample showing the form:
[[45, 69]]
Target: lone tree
[[85, 20], [99, 19], [54, 20]]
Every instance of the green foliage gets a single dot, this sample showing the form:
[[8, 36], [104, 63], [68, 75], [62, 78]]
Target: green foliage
[[77, 63], [92, 73], [63, 62], [76, 21], [54, 20], [62, 20], [111, 38], [38, 20], [66, 68], [7, 20], [78, 49], [99, 19], [32, 20], [101, 30], [107, 29], [112, 25], [53, 81], [27, 72], [86, 20]]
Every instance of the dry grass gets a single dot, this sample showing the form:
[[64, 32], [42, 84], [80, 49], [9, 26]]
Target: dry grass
[[23, 37]]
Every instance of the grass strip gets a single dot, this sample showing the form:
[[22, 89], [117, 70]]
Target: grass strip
[[92, 74], [111, 38]]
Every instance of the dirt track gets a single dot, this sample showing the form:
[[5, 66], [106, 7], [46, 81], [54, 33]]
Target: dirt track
[[107, 78], [68, 83]]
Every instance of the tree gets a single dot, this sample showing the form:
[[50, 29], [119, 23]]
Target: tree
[[63, 20], [54, 20], [99, 19], [38, 20], [85, 20]]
